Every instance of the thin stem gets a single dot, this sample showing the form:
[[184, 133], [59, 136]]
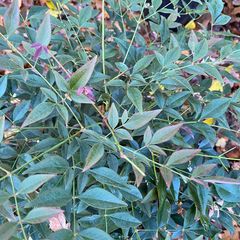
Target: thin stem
[[119, 147], [49, 84], [134, 33], [59, 64], [17, 208], [40, 155]]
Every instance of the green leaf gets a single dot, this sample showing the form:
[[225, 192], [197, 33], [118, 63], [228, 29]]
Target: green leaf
[[228, 192], [53, 197], [63, 111], [172, 56], [200, 50], [124, 220], [3, 197], [199, 194], [143, 63], [80, 98], [211, 70], [156, 4], [11, 17], [20, 110], [222, 20], [42, 214], [50, 164], [101, 199], [182, 156], [32, 183], [7, 230], [216, 108], [135, 95], [81, 77], [94, 155], [147, 137], [40, 112], [113, 117], [2, 125], [43, 35], [108, 176], [94, 234], [131, 193], [62, 234], [3, 85], [123, 134], [164, 212], [215, 8], [49, 94], [138, 120], [165, 134], [60, 81]]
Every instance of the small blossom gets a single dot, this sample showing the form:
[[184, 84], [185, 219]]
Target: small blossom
[[87, 91], [58, 222], [39, 48]]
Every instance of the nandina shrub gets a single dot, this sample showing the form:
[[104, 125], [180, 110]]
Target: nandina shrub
[[108, 128]]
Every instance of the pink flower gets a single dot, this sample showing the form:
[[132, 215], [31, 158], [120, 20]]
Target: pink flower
[[87, 91], [58, 222], [39, 48]]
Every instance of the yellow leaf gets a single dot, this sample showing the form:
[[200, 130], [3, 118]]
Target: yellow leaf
[[209, 121], [229, 68], [51, 5], [190, 25], [53, 10], [216, 86]]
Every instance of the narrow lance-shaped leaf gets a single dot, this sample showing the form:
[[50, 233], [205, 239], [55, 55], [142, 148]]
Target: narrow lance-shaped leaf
[[143, 63], [124, 220], [2, 123], [138, 120], [165, 134], [51, 164], [101, 199], [135, 95], [11, 18], [108, 176], [94, 155], [43, 35], [31, 183], [95, 233], [52, 197], [81, 77], [182, 156], [201, 50], [216, 108], [40, 112], [3, 197], [113, 116], [42, 214], [7, 230], [167, 175], [3, 85]]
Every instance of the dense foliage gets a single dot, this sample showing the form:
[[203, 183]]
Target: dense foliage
[[112, 133]]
